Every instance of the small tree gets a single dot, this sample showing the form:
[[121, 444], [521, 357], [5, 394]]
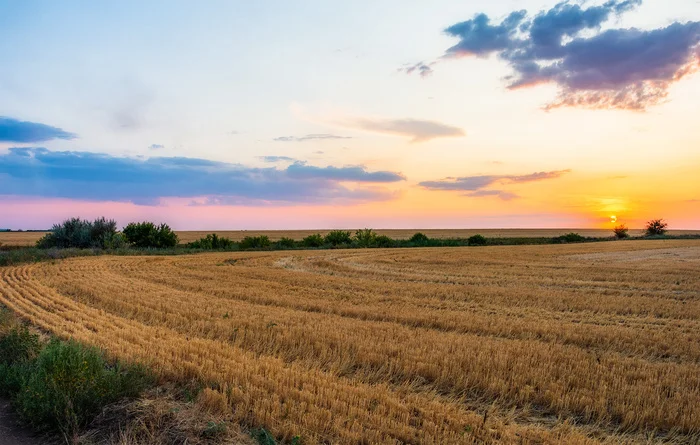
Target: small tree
[[477, 240], [656, 227], [255, 242], [419, 239], [148, 235], [365, 238], [621, 231], [384, 241], [212, 242], [81, 234], [285, 243], [315, 240], [337, 237]]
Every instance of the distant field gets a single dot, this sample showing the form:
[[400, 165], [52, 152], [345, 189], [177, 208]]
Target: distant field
[[555, 344], [28, 238]]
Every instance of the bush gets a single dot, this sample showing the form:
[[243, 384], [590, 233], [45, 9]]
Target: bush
[[285, 243], [384, 241], [68, 384], [212, 242], [621, 231], [477, 240], [365, 238], [656, 227], [315, 240], [419, 239], [81, 234], [255, 242], [148, 235], [337, 237], [115, 241], [570, 238], [18, 345]]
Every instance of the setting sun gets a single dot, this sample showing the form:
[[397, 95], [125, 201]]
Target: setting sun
[[613, 219]]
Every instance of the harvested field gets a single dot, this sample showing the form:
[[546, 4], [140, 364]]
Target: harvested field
[[30, 238], [585, 343]]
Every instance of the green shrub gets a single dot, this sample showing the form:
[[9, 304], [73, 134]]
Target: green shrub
[[68, 384], [570, 238], [115, 241], [212, 242], [419, 239], [148, 235], [18, 345], [315, 240], [621, 231], [79, 233], [255, 242], [365, 238], [384, 241], [656, 227], [337, 237], [477, 240], [285, 243]]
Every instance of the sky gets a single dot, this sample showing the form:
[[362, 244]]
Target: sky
[[222, 115]]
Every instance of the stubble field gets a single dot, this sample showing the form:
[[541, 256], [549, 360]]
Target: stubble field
[[586, 343]]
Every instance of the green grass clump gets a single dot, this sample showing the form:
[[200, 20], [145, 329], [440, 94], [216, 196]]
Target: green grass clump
[[68, 384], [60, 386]]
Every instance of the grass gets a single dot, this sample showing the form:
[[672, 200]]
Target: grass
[[572, 343]]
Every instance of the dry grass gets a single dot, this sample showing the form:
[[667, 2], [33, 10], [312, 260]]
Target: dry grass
[[517, 344], [161, 418], [30, 238]]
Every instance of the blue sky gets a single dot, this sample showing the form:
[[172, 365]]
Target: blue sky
[[325, 101]]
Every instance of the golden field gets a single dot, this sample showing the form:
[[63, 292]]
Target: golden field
[[29, 238], [582, 344]]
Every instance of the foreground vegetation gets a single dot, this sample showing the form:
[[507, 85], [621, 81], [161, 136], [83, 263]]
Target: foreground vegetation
[[60, 386], [572, 343]]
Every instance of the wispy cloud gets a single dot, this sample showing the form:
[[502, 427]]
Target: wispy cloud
[[310, 137], [156, 146], [593, 68], [421, 68], [505, 196], [13, 130], [477, 186], [275, 159], [300, 170], [95, 176], [416, 129]]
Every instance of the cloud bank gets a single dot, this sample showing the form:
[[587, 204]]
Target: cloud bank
[[624, 68], [100, 177], [13, 130], [478, 186], [418, 130]]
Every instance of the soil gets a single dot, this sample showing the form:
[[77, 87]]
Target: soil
[[11, 432]]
